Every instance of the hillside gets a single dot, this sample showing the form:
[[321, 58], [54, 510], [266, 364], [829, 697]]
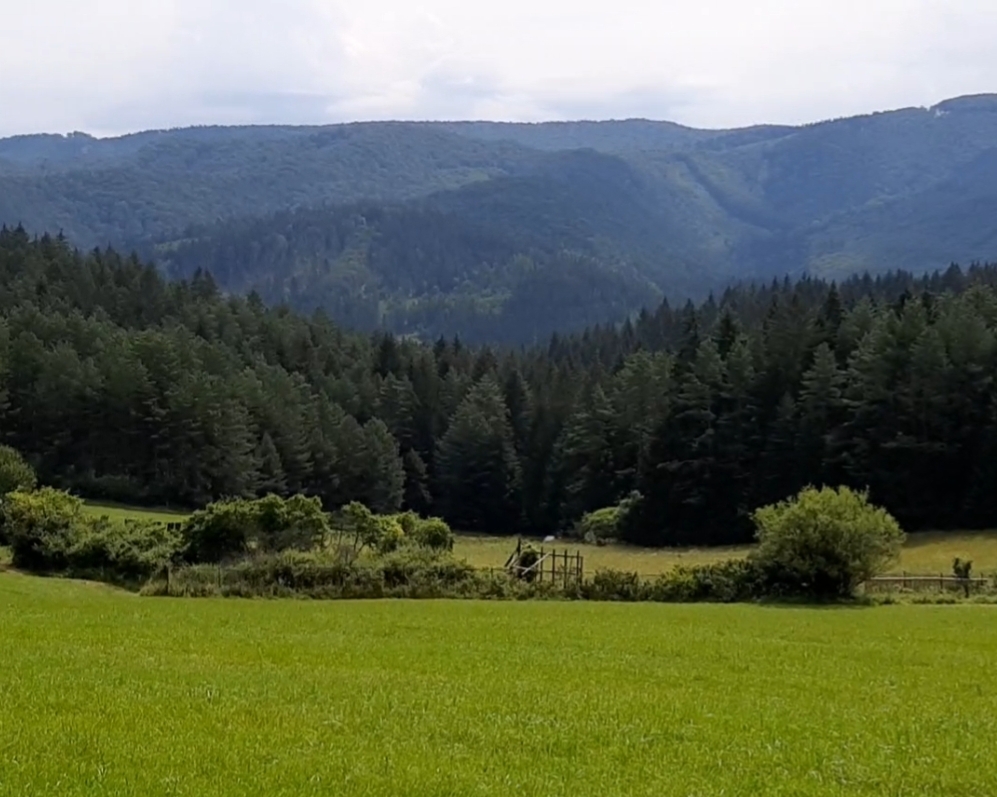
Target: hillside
[[508, 231]]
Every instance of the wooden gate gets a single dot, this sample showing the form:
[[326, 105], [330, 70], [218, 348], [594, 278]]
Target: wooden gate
[[546, 566]]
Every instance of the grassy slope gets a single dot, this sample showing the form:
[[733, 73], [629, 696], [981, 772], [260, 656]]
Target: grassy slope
[[107, 693]]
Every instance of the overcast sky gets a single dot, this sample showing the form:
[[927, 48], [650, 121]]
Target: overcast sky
[[113, 66]]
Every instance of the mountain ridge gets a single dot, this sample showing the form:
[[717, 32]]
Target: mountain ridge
[[631, 209]]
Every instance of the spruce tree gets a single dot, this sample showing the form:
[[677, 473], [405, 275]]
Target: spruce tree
[[477, 469]]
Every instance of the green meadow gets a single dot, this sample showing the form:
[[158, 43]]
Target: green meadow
[[107, 693]]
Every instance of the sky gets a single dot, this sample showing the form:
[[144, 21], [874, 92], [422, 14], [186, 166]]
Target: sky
[[114, 66]]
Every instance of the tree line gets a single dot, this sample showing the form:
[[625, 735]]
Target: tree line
[[116, 383]]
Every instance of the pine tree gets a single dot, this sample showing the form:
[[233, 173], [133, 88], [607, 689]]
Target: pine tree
[[271, 471], [586, 456], [821, 408], [417, 496], [477, 469]]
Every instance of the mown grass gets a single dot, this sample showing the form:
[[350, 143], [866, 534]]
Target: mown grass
[[933, 552], [493, 551], [124, 512], [924, 553], [104, 692]]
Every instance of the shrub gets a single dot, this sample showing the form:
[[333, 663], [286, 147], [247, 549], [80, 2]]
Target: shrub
[[51, 534], [614, 585], [218, 532], [724, 582], [824, 543], [356, 524], [230, 529], [41, 527], [433, 533], [600, 525], [390, 534], [122, 551], [412, 573], [409, 521], [16, 475]]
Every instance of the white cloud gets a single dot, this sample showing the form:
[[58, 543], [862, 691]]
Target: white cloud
[[115, 65]]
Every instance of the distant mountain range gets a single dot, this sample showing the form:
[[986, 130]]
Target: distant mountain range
[[507, 232]]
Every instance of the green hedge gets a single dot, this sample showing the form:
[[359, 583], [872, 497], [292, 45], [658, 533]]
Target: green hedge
[[402, 574], [50, 533]]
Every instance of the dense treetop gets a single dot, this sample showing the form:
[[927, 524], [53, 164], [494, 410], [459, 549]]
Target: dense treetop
[[119, 384]]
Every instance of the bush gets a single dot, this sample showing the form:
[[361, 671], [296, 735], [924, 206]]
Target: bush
[[600, 525], [50, 533], [230, 529], [410, 573], [725, 582], [433, 533], [42, 527], [390, 534], [122, 552], [355, 524], [824, 543], [16, 475], [614, 585]]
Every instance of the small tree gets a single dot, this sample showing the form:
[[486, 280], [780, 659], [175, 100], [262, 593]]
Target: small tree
[[382, 533], [16, 475], [824, 543]]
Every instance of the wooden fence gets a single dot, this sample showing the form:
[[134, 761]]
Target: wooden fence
[[927, 583], [550, 567]]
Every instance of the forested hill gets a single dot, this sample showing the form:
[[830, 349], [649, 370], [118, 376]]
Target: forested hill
[[586, 219], [121, 385]]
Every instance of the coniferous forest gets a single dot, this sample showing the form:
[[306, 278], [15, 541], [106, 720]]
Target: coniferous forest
[[119, 384]]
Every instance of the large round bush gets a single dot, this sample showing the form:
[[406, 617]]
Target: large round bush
[[824, 543]]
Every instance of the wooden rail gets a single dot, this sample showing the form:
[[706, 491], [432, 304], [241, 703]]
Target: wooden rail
[[551, 567], [926, 583]]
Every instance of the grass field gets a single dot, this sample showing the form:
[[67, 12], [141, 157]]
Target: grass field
[[493, 552], [106, 693], [122, 512], [923, 553]]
